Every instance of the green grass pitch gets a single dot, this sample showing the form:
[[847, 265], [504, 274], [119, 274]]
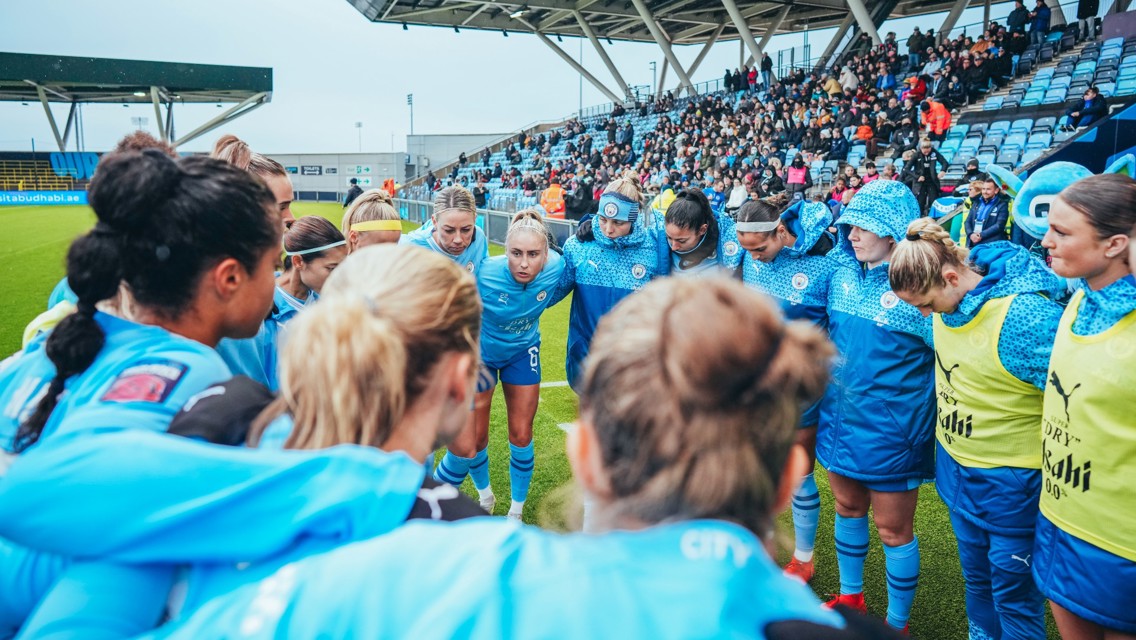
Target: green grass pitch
[[32, 262]]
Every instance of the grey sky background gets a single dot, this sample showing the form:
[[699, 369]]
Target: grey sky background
[[333, 68]]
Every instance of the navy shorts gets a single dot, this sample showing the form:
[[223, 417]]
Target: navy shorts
[[521, 370]]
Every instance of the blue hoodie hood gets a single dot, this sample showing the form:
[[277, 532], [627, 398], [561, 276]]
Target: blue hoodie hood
[[1009, 269], [884, 207], [809, 221]]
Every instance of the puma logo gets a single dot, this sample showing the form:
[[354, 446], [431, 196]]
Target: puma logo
[[946, 372], [434, 497], [1056, 382], [1024, 560]]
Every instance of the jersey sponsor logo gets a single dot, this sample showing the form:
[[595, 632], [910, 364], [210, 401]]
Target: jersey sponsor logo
[[638, 271], [540, 297], [800, 281], [730, 249], [148, 382], [889, 300]]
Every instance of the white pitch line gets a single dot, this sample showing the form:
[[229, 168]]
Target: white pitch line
[[558, 383], [567, 427]]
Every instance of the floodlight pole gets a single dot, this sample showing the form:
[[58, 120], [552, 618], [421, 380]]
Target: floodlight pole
[[410, 102]]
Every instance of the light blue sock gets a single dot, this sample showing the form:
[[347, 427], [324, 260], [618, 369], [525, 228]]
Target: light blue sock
[[851, 549], [479, 469], [806, 515], [452, 469], [902, 564], [521, 464]]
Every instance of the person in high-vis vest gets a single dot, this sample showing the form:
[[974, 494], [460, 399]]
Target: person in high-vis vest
[[552, 199], [995, 316], [1084, 559]]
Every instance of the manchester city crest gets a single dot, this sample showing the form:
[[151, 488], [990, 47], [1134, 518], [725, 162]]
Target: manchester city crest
[[541, 296], [731, 248], [638, 271], [611, 210], [889, 300], [800, 281]]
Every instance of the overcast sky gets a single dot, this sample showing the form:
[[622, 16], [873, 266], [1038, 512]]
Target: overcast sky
[[333, 68]]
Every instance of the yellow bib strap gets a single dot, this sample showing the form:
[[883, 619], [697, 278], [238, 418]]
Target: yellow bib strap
[[377, 225]]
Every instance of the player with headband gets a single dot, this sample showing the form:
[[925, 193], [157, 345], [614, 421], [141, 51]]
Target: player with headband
[[623, 258], [995, 317], [515, 288], [452, 230], [313, 248], [788, 260], [371, 219]]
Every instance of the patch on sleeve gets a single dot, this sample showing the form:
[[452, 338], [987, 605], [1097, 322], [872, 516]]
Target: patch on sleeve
[[146, 382]]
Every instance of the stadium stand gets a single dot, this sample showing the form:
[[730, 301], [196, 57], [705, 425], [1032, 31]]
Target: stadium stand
[[1006, 110]]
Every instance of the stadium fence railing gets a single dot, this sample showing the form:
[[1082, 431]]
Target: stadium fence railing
[[495, 224]]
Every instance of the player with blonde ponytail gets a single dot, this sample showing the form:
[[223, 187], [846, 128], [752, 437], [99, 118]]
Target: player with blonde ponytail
[[515, 289], [995, 318]]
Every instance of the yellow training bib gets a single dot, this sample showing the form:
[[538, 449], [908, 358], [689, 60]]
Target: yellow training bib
[[1089, 431], [986, 417]]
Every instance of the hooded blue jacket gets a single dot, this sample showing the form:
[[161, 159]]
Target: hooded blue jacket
[[877, 417], [488, 578], [1005, 499], [601, 273]]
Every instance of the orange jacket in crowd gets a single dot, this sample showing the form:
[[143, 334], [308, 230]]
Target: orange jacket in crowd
[[553, 201], [938, 118]]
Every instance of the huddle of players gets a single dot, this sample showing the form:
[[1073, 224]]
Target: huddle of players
[[677, 476]]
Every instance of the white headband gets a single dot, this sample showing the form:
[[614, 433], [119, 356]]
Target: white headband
[[315, 250], [757, 227]]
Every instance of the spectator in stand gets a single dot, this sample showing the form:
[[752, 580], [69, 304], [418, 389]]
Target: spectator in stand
[[797, 178], [870, 174], [916, 89], [889, 172], [481, 194], [751, 78], [1086, 15], [1089, 109], [1039, 23], [1018, 18], [766, 71], [914, 47], [937, 89], [936, 119], [831, 86], [924, 179], [866, 133], [989, 216], [849, 81], [840, 147]]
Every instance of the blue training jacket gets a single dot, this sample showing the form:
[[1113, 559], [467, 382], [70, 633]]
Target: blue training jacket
[[877, 417], [1005, 499], [601, 273], [470, 259], [727, 256], [797, 280], [510, 320], [488, 578], [139, 380], [62, 293], [235, 514]]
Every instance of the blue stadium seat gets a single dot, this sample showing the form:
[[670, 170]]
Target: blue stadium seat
[[1045, 124], [994, 139], [1054, 96], [1032, 100], [993, 103], [1105, 75], [1023, 125], [1045, 73], [1010, 157], [1108, 89], [985, 159], [957, 131], [1126, 87], [1126, 72], [950, 144], [1015, 141], [1039, 141], [1062, 136], [1030, 156], [1002, 126], [1040, 84]]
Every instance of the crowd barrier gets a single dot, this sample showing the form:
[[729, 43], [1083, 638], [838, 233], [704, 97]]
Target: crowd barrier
[[495, 224]]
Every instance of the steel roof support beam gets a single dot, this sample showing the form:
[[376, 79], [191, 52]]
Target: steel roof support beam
[[771, 30], [240, 109], [156, 98], [705, 49], [952, 19], [743, 28], [576, 65], [591, 34], [836, 38], [60, 140], [663, 79], [864, 19], [663, 42]]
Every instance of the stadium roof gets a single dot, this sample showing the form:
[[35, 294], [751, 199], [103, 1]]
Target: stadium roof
[[81, 80], [684, 21], [663, 22]]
